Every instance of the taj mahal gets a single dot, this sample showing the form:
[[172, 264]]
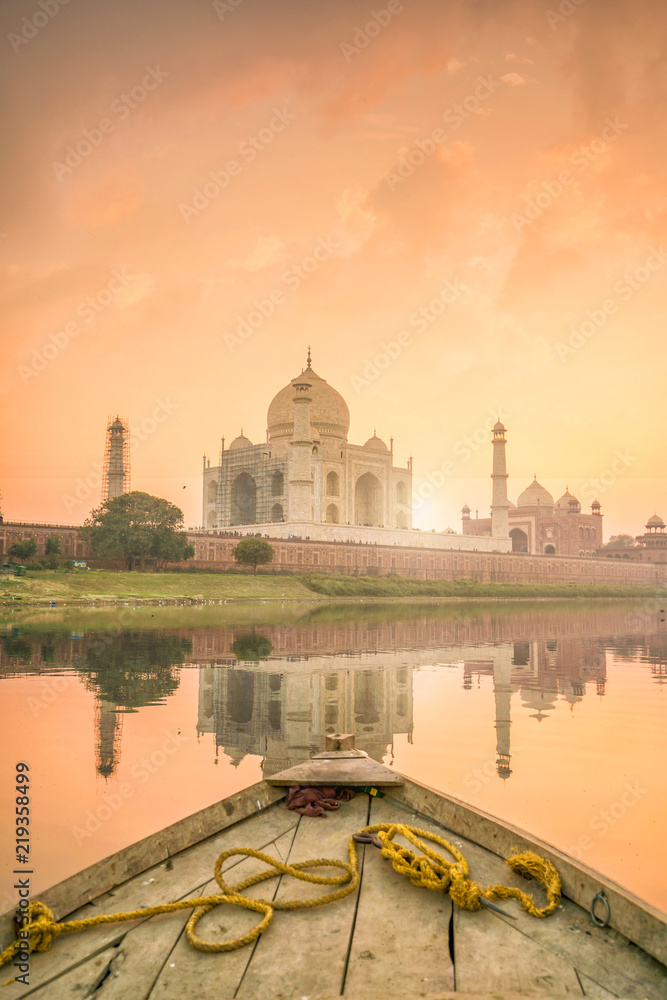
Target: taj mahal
[[306, 480]]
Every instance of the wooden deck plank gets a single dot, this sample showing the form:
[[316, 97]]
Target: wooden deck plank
[[79, 982], [190, 872], [593, 989], [304, 952], [401, 935], [214, 976], [491, 955]]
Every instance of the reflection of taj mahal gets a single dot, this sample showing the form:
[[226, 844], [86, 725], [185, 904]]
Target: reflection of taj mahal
[[283, 715], [306, 470]]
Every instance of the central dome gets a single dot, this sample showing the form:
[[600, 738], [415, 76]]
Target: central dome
[[328, 410], [535, 494]]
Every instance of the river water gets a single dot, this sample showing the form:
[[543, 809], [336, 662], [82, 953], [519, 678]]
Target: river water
[[550, 715]]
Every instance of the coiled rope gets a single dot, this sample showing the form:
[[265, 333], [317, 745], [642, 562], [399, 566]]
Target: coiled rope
[[429, 870]]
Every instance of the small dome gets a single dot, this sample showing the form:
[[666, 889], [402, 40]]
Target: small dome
[[117, 425], [564, 502], [376, 444], [535, 495], [240, 442], [655, 521], [499, 427], [450, 531], [465, 509]]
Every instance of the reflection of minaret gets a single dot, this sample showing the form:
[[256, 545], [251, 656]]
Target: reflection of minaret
[[500, 526], [116, 476], [109, 726], [502, 690], [300, 481]]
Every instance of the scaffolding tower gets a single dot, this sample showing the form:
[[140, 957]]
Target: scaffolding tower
[[116, 474], [252, 487]]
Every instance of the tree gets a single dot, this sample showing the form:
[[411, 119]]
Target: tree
[[253, 552], [252, 647], [620, 542], [52, 546], [135, 525], [23, 550]]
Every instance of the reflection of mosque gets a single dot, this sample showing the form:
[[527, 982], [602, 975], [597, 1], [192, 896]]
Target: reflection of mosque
[[541, 670], [283, 714]]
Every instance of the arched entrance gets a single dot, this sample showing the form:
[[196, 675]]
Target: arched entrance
[[277, 513], [211, 491], [401, 520], [549, 550], [244, 500], [333, 485], [332, 514], [212, 519], [519, 540], [368, 498], [277, 484]]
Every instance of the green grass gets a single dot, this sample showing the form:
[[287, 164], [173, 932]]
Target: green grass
[[88, 586], [396, 586]]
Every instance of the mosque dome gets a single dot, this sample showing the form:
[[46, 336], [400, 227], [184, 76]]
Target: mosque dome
[[240, 442], [376, 444], [655, 521], [563, 503], [328, 410], [535, 495]]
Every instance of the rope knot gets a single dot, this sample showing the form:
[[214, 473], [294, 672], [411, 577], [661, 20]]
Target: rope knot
[[41, 927], [465, 893]]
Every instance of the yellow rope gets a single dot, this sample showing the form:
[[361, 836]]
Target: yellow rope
[[429, 870]]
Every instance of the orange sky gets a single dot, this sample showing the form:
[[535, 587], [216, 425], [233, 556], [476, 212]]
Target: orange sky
[[505, 158]]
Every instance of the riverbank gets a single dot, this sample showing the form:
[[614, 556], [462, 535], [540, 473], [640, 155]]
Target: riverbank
[[103, 587]]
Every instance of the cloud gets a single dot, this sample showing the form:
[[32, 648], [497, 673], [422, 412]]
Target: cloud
[[268, 250], [513, 79], [356, 223]]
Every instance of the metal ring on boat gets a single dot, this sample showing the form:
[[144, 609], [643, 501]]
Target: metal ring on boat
[[601, 896]]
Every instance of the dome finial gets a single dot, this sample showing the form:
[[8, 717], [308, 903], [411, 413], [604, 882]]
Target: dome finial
[[308, 364]]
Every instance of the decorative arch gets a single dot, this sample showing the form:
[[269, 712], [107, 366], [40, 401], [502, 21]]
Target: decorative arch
[[588, 532], [550, 550], [277, 484], [519, 540], [212, 519], [244, 499], [368, 500], [401, 519], [581, 534], [401, 493], [333, 484], [277, 512], [211, 491], [333, 517]]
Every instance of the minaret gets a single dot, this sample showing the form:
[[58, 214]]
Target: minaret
[[500, 525], [502, 691], [300, 501], [116, 476]]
